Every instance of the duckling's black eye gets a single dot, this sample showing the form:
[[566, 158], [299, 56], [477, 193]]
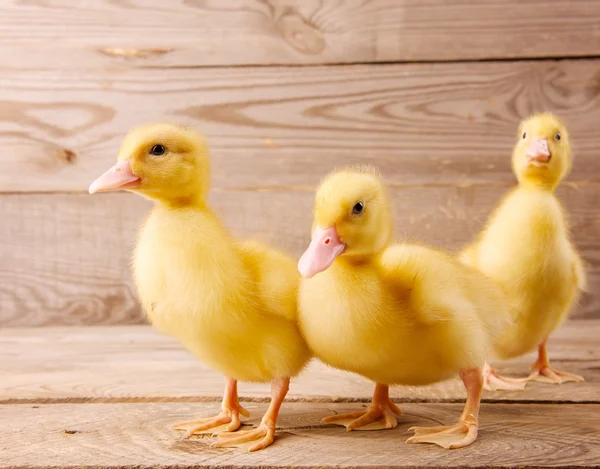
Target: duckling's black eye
[[557, 136], [358, 208], [158, 150], [524, 135]]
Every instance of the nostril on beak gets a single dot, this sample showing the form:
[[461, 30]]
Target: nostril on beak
[[327, 240]]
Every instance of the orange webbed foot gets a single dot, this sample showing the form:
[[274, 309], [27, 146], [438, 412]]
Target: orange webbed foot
[[547, 374], [228, 420], [381, 414], [265, 433], [465, 431], [450, 436], [543, 372], [492, 381]]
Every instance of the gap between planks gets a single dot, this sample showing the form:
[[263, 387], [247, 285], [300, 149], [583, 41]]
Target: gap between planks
[[264, 400], [441, 61]]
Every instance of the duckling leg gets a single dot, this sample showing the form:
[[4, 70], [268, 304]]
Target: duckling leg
[[228, 419], [266, 430], [465, 431], [543, 372], [492, 381], [380, 414]]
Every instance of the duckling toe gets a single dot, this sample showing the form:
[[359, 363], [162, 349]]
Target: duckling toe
[[501, 383], [492, 381], [227, 421], [449, 437], [246, 439], [375, 417], [216, 424], [547, 374]]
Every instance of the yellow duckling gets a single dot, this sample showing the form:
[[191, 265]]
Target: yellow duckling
[[396, 314], [525, 248], [233, 304]]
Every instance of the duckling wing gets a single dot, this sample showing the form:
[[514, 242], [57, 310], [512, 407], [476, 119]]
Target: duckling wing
[[579, 272], [441, 289], [276, 278], [424, 280]]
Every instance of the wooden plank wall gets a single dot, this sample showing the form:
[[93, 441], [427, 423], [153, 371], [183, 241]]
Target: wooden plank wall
[[284, 90]]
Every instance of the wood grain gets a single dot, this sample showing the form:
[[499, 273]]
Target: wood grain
[[137, 364], [146, 33], [435, 124], [64, 258], [139, 435]]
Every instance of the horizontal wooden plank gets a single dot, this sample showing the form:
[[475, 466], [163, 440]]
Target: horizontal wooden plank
[[137, 364], [422, 123], [145, 33], [139, 435], [64, 258]]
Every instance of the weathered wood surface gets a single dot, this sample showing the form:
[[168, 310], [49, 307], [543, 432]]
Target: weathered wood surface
[[137, 364], [443, 124], [139, 435], [148, 33], [64, 258]]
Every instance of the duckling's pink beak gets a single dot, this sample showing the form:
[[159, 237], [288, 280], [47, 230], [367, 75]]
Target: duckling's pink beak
[[119, 177], [322, 251], [538, 151]]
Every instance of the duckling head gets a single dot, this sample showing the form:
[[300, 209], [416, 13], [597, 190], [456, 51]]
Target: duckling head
[[542, 155], [161, 161], [352, 218]]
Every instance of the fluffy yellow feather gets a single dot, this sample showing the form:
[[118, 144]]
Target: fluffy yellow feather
[[233, 304], [525, 248], [394, 313]]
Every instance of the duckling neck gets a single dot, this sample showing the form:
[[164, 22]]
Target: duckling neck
[[538, 184], [357, 261], [183, 202]]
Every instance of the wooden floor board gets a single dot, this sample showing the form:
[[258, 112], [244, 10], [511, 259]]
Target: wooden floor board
[[145, 33], [106, 397], [137, 364], [65, 257], [139, 435], [440, 124]]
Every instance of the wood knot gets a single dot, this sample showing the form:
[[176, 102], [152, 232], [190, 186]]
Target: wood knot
[[299, 32], [70, 156]]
